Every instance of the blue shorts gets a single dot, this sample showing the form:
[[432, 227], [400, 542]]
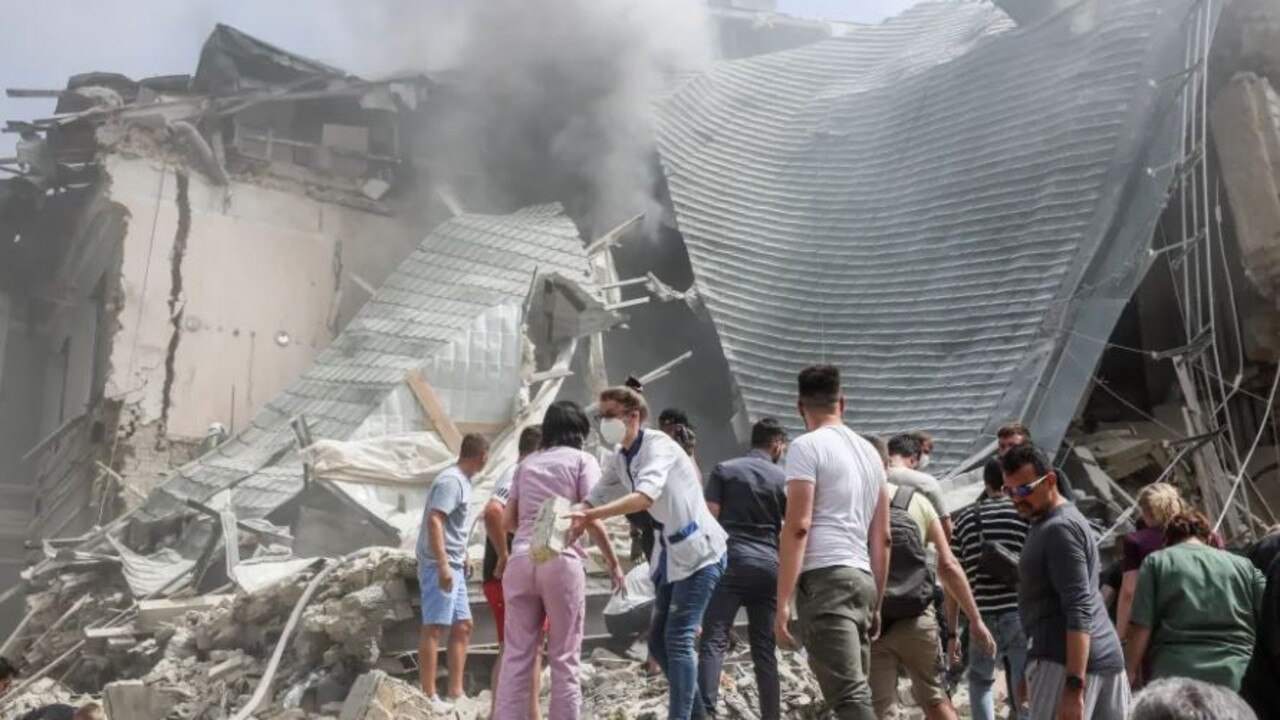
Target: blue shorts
[[438, 607]]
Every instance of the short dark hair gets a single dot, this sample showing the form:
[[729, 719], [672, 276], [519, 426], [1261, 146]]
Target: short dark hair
[[7, 669], [1017, 427], [530, 439], [1019, 456], [766, 432], [905, 445], [1186, 525], [992, 476], [474, 445], [925, 438], [564, 425], [673, 416], [819, 387]]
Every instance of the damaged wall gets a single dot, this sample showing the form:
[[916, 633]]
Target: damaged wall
[[227, 295], [1246, 131]]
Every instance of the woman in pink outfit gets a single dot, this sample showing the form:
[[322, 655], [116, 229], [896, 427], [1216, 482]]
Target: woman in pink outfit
[[555, 589]]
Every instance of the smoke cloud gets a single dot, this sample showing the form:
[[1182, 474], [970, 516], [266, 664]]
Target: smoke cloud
[[548, 100]]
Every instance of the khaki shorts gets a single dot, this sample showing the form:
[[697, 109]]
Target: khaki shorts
[[912, 645]]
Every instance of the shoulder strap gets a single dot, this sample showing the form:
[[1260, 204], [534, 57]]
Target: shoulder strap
[[977, 519], [902, 498]]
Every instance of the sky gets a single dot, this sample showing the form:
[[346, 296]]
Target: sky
[[141, 38]]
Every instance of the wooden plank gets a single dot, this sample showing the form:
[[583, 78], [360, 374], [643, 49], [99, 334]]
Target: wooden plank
[[489, 430], [434, 409]]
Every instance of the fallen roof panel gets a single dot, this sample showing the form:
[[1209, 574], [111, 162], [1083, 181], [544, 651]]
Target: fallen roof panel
[[481, 260], [943, 206]]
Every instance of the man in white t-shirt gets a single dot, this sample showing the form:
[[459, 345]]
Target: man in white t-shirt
[[834, 554]]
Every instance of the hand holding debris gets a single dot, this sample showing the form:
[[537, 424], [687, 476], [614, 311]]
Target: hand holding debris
[[578, 516], [984, 637], [444, 577]]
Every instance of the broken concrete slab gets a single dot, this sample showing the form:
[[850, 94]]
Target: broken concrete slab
[[135, 699], [153, 614], [378, 696]]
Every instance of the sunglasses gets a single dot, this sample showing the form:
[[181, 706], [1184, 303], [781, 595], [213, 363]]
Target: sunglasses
[[1025, 490]]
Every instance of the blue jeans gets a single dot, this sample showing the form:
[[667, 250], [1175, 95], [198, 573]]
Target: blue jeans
[[677, 613], [1011, 643]]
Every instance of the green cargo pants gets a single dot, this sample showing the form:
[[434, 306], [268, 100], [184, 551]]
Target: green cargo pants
[[834, 606]]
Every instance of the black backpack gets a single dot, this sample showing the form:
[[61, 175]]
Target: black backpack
[[909, 590]]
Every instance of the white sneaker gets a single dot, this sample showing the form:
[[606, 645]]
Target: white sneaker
[[439, 706]]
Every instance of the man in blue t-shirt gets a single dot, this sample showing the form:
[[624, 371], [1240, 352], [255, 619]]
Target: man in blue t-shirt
[[442, 564]]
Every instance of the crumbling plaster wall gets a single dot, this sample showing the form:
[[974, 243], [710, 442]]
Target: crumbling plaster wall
[[227, 295]]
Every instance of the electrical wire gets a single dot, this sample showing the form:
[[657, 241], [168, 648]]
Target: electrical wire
[[1257, 438]]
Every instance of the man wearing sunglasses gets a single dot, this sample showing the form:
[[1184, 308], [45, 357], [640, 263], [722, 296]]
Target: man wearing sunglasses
[[1075, 666]]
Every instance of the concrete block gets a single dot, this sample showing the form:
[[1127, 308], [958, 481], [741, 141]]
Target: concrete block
[[377, 696], [136, 700], [153, 614]]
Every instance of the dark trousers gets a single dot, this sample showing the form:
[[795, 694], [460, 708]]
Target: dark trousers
[[751, 583]]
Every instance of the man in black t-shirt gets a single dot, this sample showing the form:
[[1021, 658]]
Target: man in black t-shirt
[[748, 495]]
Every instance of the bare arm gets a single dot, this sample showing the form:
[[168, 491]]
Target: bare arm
[[435, 537], [1135, 651], [714, 509], [952, 610], [952, 575], [494, 526], [596, 530], [1124, 607], [794, 540], [625, 505], [510, 516], [879, 541]]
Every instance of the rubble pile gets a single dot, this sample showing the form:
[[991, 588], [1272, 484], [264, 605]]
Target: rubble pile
[[203, 656], [619, 688]]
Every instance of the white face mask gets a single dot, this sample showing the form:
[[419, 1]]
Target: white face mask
[[924, 461], [613, 430]]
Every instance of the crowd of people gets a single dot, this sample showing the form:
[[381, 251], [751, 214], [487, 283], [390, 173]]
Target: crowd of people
[[840, 545]]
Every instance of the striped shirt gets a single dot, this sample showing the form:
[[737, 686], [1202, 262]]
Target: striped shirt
[[1001, 524]]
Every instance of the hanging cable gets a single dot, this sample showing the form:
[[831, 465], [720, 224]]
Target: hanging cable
[[1257, 438]]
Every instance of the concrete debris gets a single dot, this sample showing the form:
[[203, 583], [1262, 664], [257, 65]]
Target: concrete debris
[[618, 688], [203, 657]]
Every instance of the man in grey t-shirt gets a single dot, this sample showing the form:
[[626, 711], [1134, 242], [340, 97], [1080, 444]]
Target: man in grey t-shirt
[[1075, 665], [442, 559]]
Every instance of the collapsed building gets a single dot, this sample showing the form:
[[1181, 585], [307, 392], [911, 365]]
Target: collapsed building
[[247, 314]]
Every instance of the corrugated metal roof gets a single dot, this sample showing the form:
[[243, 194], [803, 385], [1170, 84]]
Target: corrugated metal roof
[[467, 265], [933, 204]]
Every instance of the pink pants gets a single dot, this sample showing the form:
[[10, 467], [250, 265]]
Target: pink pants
[[556, 590]]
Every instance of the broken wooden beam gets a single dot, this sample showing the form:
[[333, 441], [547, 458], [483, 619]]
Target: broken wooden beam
[[431, 405]]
